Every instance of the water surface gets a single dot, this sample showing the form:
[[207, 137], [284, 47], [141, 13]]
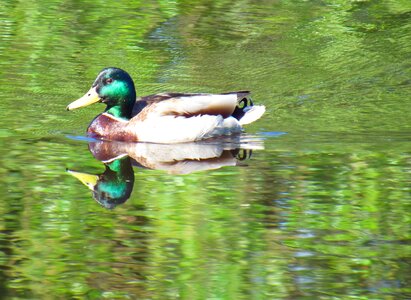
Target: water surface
[[322, 212]]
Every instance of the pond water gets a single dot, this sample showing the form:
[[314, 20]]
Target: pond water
[[312, 202]]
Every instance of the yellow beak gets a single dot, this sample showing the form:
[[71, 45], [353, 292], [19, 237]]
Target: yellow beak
[[89, 180], [89, 98]]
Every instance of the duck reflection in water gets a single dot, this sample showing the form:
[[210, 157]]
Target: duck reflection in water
[[115, 184]]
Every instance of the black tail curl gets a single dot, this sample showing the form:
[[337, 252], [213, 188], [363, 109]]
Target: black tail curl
[[242, 154], [239, 109]]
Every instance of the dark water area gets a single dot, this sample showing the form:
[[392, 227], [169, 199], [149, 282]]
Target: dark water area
[[312, 202]]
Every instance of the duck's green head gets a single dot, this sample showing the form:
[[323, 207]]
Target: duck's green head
[[115, 88]]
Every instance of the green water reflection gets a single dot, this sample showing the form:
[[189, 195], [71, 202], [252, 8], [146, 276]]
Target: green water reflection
[[323, 212]]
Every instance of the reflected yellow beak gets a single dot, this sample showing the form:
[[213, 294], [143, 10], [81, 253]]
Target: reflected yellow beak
[[89, 180], [89, 98]]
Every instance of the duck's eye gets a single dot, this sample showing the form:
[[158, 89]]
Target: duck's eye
[[109, 80]]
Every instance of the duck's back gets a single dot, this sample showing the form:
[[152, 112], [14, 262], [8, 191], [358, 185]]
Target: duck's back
[[178, 102]]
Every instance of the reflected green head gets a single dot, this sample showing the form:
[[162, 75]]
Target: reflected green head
[[115, 184], [111, 193]]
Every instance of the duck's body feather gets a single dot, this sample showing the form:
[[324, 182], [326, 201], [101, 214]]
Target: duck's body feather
[[171, 129]]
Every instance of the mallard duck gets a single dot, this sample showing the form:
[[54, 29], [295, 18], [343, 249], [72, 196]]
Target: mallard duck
[[163, 118]]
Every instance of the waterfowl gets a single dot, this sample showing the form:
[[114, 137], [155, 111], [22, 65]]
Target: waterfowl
[[163, 118]]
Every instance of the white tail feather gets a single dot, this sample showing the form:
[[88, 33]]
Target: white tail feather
[[252, 113]]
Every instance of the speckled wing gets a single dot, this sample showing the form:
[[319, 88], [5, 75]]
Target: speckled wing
[[187, 105]]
